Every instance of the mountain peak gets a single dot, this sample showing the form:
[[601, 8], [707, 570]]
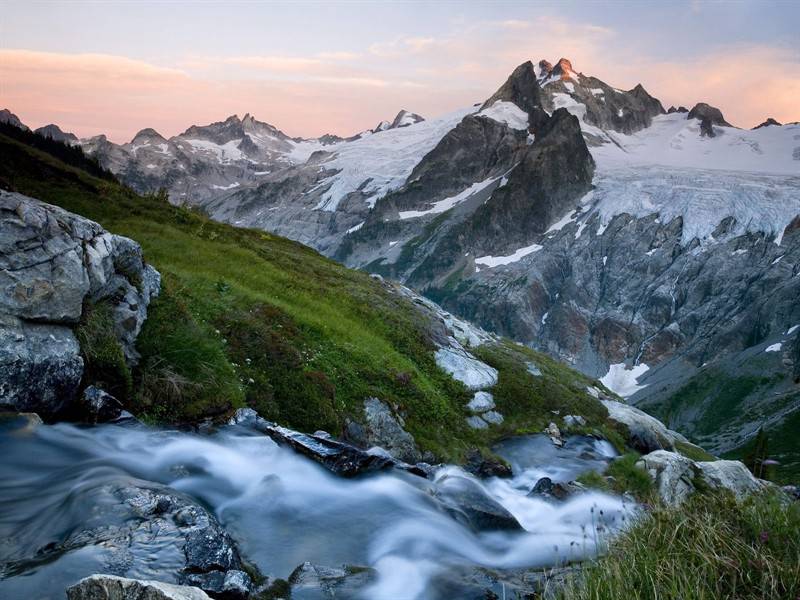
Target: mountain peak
[[770, 121], [6, 116], [704, 112], [148, 134], [522, 88], [405, 118], [54, 132], [563, 70]]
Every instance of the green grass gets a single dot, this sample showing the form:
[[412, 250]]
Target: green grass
[[103, 359], [695, 453], [622, 475], [320, 338], [712, 547], [530, 402], [718, 395]]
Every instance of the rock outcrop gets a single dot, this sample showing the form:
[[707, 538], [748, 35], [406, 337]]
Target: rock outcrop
[[677, 477], [645, 433], [704, 111], [111, 587], [53, 263]]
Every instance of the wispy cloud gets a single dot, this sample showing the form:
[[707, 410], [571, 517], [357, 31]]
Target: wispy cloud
[[347, 91]]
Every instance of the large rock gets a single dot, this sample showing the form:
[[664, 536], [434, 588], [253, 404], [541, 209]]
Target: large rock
[[52, 263], [318, 582], [340, 458], [40, 366], [731, 475], [385, 429], [470, 504], [676, 477], [110, 587], [464, 367], [672, 473], [645, 433]]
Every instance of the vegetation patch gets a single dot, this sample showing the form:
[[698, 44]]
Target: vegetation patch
[[103, 359], [529, 402], [712, 547], [622, 475]]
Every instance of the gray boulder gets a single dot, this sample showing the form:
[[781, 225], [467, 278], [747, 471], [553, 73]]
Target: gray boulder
[[385, 429], [470, 504], [98, 406], [731, 475], [40, 366], [318, 582], [52, 262], [645, 433], [672, 473], [110, 587], [676, 476]]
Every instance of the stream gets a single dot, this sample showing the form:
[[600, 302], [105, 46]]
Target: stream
[[61, 513]]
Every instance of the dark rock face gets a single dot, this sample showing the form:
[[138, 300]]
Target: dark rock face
[[551, 176], [484, 467], [546, 489], [707, 128], [338, 457], [769, 122], [522, 88], [54, 132], [98, 406], [467, 502], [51, 263], [704, 111]]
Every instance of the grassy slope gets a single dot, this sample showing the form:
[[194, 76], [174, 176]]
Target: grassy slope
[[248, 318], [713, 547]]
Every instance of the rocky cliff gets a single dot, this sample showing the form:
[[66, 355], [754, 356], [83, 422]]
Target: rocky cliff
[[54, 265]]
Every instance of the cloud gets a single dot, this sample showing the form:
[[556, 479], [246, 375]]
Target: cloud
[[344, 92]]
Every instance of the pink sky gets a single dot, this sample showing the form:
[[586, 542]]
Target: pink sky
[[344, 91]]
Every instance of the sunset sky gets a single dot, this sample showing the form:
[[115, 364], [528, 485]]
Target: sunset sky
[[340, 67]]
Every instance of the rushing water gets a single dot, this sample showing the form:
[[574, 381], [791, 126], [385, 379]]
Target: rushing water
[[282, 509]]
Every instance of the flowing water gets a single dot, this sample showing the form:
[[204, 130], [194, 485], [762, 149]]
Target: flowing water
[[282, 509]]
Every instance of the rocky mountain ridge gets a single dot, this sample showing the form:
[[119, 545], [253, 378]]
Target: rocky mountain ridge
[[640, 245]]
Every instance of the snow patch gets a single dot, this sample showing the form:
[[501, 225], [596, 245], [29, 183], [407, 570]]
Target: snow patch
[[774, 347], [508, 113], [448, 203], [494, 261], [235, 184], [378, 164], [622, 380], [792, 329]]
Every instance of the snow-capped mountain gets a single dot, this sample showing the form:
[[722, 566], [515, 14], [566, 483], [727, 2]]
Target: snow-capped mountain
[[658, 249]]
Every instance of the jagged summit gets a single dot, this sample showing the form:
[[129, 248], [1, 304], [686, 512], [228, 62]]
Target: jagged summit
[[54, 132], [6, 116], [405, 118], [148, 135], [521, 88], [704, 111], [769, 122]]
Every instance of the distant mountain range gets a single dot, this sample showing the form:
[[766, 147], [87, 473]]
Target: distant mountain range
[[657, 249]]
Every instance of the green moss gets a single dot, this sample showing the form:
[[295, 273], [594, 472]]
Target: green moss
[[103, 358], [622, 475], [693, 452], [184, 372]]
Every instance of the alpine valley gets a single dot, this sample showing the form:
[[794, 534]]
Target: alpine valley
[[515, 351], [655, 249]]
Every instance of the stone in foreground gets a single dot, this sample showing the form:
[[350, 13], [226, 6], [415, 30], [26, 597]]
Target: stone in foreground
[[110, 587]]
